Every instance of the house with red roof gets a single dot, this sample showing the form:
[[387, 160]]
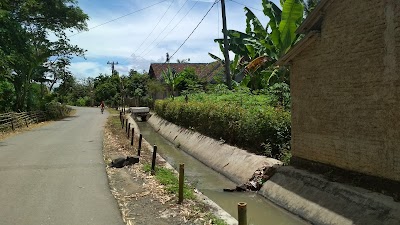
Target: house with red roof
[[205, 71]]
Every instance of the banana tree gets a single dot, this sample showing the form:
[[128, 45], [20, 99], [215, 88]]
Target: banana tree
[[261, 46], [172, 79]]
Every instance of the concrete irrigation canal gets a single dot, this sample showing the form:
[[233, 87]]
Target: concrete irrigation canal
[[211, 183]]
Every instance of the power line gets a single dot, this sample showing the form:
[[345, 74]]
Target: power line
[[172, 28], [119, 17], [165, 27], [245, 5], [112, 21], [195, 28], [154, 27], [218, 31]]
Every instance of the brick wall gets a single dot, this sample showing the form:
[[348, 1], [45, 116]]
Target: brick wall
[[346, 90]]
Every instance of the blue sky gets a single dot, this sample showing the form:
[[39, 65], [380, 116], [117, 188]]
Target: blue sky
[[131, 40]]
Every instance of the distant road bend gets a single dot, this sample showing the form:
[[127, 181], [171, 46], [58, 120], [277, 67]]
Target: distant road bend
[[56, 174]]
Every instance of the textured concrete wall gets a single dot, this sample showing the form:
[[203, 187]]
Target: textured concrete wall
[[346, 90], [323, 202], [234, 163]]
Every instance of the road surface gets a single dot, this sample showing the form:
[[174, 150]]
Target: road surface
[[56, 174]]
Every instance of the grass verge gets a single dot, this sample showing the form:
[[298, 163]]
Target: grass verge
[[168, 178]]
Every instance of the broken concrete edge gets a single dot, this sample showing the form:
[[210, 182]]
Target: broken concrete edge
[[307, 195], [216, 210], [225, 159], [320, 201]]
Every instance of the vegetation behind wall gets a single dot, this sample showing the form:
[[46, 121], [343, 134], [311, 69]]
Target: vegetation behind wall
[[244, 120]]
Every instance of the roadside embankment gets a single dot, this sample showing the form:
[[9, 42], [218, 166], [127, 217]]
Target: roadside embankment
[[324, 202], [310, 196], [236, 164], [213, 207]]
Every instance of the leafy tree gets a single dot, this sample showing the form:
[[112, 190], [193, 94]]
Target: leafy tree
[[7, 96], [136, 85], [25, 43], [190, 81], [154, 87], [260, 47]]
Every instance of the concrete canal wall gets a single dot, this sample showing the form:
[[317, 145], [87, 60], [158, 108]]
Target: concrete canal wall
[[236, 164], [308, 195]]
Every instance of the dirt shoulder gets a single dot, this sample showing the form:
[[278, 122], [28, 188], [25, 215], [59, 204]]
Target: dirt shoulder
[[141, 197]]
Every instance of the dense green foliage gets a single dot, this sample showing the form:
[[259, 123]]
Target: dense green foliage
[[259, 47], [108, 88], [238, 118], [34, 47]]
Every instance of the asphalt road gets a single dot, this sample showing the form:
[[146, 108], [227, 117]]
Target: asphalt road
[[56, 174]]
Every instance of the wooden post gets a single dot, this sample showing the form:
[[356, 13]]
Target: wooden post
[[153, 161], [126, 125], [132, 136], [123, 122], [242, 213], [140, 144], [129, 129], [181, 182]]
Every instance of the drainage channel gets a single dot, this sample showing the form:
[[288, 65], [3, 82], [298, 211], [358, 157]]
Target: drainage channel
[[259, 210]]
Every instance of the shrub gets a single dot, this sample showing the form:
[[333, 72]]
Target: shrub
[[239, 119], [55, 110]]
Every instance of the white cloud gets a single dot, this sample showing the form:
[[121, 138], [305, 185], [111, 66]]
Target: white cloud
[[118, 40], [88, 69]]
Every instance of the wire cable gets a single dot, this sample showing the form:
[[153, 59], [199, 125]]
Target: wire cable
[[111, 21], [245, 5], [195, 28], [162, 17], [164, 28], [119, 17], [171, 29]]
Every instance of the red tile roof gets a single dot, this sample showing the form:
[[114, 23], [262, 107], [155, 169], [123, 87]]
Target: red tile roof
[[203, 70]]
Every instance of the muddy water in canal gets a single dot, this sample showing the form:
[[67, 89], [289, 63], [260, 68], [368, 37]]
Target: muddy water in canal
[[259, 210]]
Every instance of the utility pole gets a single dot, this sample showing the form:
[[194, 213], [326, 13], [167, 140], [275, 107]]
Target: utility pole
[[112, 66], [226, 46], [120, 83]]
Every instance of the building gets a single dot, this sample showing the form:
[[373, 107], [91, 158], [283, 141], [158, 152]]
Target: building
[[345, 87], [206, 71]]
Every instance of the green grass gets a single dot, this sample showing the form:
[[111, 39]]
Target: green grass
[[216, 220], [112, 111], [115, 122], [168, 178]]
